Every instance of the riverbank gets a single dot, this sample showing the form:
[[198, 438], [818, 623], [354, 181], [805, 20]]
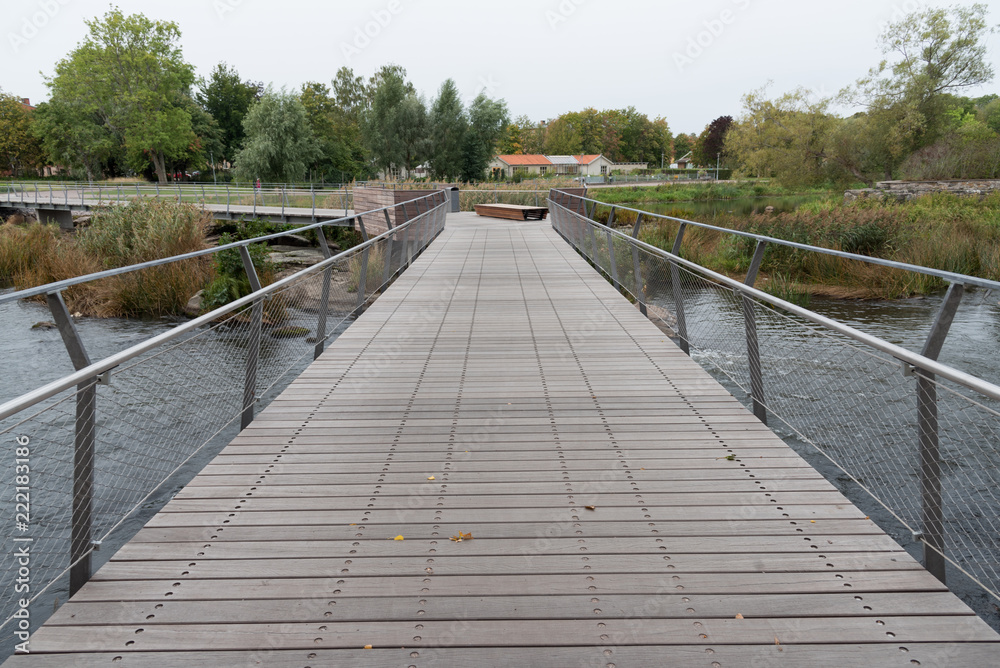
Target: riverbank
[[691, 192], [941, 231]]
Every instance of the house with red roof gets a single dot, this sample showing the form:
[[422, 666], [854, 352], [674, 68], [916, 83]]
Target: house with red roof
[[570, 165]]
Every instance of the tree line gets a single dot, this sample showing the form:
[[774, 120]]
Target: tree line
[[912, 123]]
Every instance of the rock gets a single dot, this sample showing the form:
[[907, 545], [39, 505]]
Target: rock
[[44, 324], [193, 308], [290, 332], [292, 240], [300, 258]]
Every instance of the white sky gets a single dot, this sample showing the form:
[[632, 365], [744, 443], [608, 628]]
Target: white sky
[[544, 57]]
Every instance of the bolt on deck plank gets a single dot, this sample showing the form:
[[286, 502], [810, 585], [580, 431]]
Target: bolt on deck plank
[[502, 393]]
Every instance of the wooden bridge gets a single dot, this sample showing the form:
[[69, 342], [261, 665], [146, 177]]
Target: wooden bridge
[[503, 463]]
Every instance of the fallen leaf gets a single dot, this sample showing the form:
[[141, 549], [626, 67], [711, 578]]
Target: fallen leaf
[[430, 478], [739, 616], [462, 536], [591, 507], [776, 640], [398, 538], [368, 646], [812, 521]]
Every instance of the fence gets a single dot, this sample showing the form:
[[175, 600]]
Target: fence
[[921, 438], [87, 451]]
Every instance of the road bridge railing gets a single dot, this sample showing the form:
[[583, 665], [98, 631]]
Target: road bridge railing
[[121, 434], [236, 200], [913, 441]]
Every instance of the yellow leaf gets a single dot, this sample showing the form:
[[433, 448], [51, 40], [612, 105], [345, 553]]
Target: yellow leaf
[[398, 538], [739, 616], [430, 478], [812, 521], [368, 646]]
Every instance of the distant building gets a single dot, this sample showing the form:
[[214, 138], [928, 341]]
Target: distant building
[[26, 103], [571, 165]]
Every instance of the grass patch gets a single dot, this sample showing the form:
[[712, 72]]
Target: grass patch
[[690, 192], [940, 231]]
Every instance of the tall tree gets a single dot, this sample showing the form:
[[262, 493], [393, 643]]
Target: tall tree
[[487, 120], [279, 143], [448, 124], [710, 146], [130, 75], [20, 150], [74, 136], [227, 98], [930, 55], [562, 137]]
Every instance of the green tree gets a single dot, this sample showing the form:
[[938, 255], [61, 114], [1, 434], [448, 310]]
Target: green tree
[[562, 137], [74, 136], [227, 98], [333, 155], [20, 149], [487, 120], [279, 145], [394, 126], [448, 125], [129, 75], [683, 144], [930, 55]]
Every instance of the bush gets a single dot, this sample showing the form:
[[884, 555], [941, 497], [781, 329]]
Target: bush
[[119, 236]]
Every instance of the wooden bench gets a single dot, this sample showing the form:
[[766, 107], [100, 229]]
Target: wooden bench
[[512, 211]]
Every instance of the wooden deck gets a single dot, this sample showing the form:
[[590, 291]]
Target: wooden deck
[[512, 211], [502, 388]]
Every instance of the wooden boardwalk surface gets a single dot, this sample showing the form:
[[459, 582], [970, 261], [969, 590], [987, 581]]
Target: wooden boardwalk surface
[[625, 509]]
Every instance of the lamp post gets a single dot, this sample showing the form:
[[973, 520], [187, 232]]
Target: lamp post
[[717, 166], [212, 158]]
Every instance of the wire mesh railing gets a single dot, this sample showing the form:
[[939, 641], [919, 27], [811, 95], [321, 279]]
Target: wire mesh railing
[[915, 441], [118, 436]]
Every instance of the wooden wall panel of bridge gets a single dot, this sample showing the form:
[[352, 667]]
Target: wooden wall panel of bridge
[[502, 388]]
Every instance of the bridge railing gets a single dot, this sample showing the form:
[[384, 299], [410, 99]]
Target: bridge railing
[[237, 200], [90, 451], [914, 442]]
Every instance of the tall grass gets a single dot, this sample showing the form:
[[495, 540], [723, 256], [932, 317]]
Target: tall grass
[[938, 231], [141, 231], [711, 190], [373, 272]]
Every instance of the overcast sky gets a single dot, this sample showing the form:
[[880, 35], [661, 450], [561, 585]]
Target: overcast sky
[[686, 61]]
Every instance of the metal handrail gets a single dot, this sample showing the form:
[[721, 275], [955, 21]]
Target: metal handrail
[[948, 276], [69, 282], [55, 387], [914, 359]]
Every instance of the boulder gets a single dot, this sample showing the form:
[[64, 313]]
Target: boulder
[[193, 308]]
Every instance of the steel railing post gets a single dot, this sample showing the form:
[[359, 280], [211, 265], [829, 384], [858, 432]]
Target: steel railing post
[[282, 202], [253, 343], [325, 298], [83, 448], [387, 271], [362, 277], [312, 192], [753, 343], [229, 216], [675, 280], [932, 510], [640, 292]]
